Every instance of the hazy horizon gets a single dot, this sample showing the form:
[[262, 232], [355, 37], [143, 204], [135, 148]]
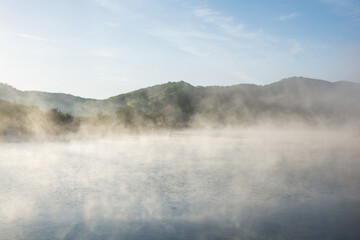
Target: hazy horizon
[[162, 83], [100, 48]]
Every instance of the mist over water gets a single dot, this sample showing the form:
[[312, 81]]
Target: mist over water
[[257, 183]]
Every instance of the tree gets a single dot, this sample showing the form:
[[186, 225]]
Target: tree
[[126, 115], [59, 118]]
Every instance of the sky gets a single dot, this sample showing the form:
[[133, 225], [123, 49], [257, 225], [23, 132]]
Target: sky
[[101, 48]]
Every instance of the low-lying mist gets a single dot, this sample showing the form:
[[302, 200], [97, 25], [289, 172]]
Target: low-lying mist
[[228, 183], [287, 103], [20, 122], [175, 161]]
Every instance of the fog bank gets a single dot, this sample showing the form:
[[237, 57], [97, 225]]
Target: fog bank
[[207, 184]]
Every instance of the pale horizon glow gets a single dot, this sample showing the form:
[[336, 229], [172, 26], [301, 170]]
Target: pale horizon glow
[[101, 48]]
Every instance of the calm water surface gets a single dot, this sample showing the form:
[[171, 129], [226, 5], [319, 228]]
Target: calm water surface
[[187, 185]]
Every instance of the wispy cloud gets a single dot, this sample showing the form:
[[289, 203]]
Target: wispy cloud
[[226, 24], [108, 4], [218, 34], [209, 15], [102, 53], [32, 37], [287, 17], [183, 40], [26, 36], [349, 7]]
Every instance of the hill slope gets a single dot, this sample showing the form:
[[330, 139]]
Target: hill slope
[[44, 100], [292, 99]]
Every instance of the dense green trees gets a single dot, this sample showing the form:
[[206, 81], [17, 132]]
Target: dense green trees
[[58, 117], [136, 118], [127, 115], [12, 118]]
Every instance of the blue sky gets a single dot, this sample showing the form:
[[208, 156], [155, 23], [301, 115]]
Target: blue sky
[[100, 48]]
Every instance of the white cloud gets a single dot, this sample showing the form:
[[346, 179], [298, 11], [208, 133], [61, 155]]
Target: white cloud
[[287, 17]]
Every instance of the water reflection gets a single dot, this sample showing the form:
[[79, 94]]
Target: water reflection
[[190, 185]]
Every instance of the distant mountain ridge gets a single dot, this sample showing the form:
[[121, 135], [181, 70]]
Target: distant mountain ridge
[[291, 98]]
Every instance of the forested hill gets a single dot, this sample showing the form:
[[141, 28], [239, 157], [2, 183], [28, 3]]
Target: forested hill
[[299, 99], [44, 100]]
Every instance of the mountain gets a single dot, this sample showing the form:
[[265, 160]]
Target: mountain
[[291, 99], [44, 100]]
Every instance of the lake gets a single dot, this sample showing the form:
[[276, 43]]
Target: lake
[[205, 184]]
